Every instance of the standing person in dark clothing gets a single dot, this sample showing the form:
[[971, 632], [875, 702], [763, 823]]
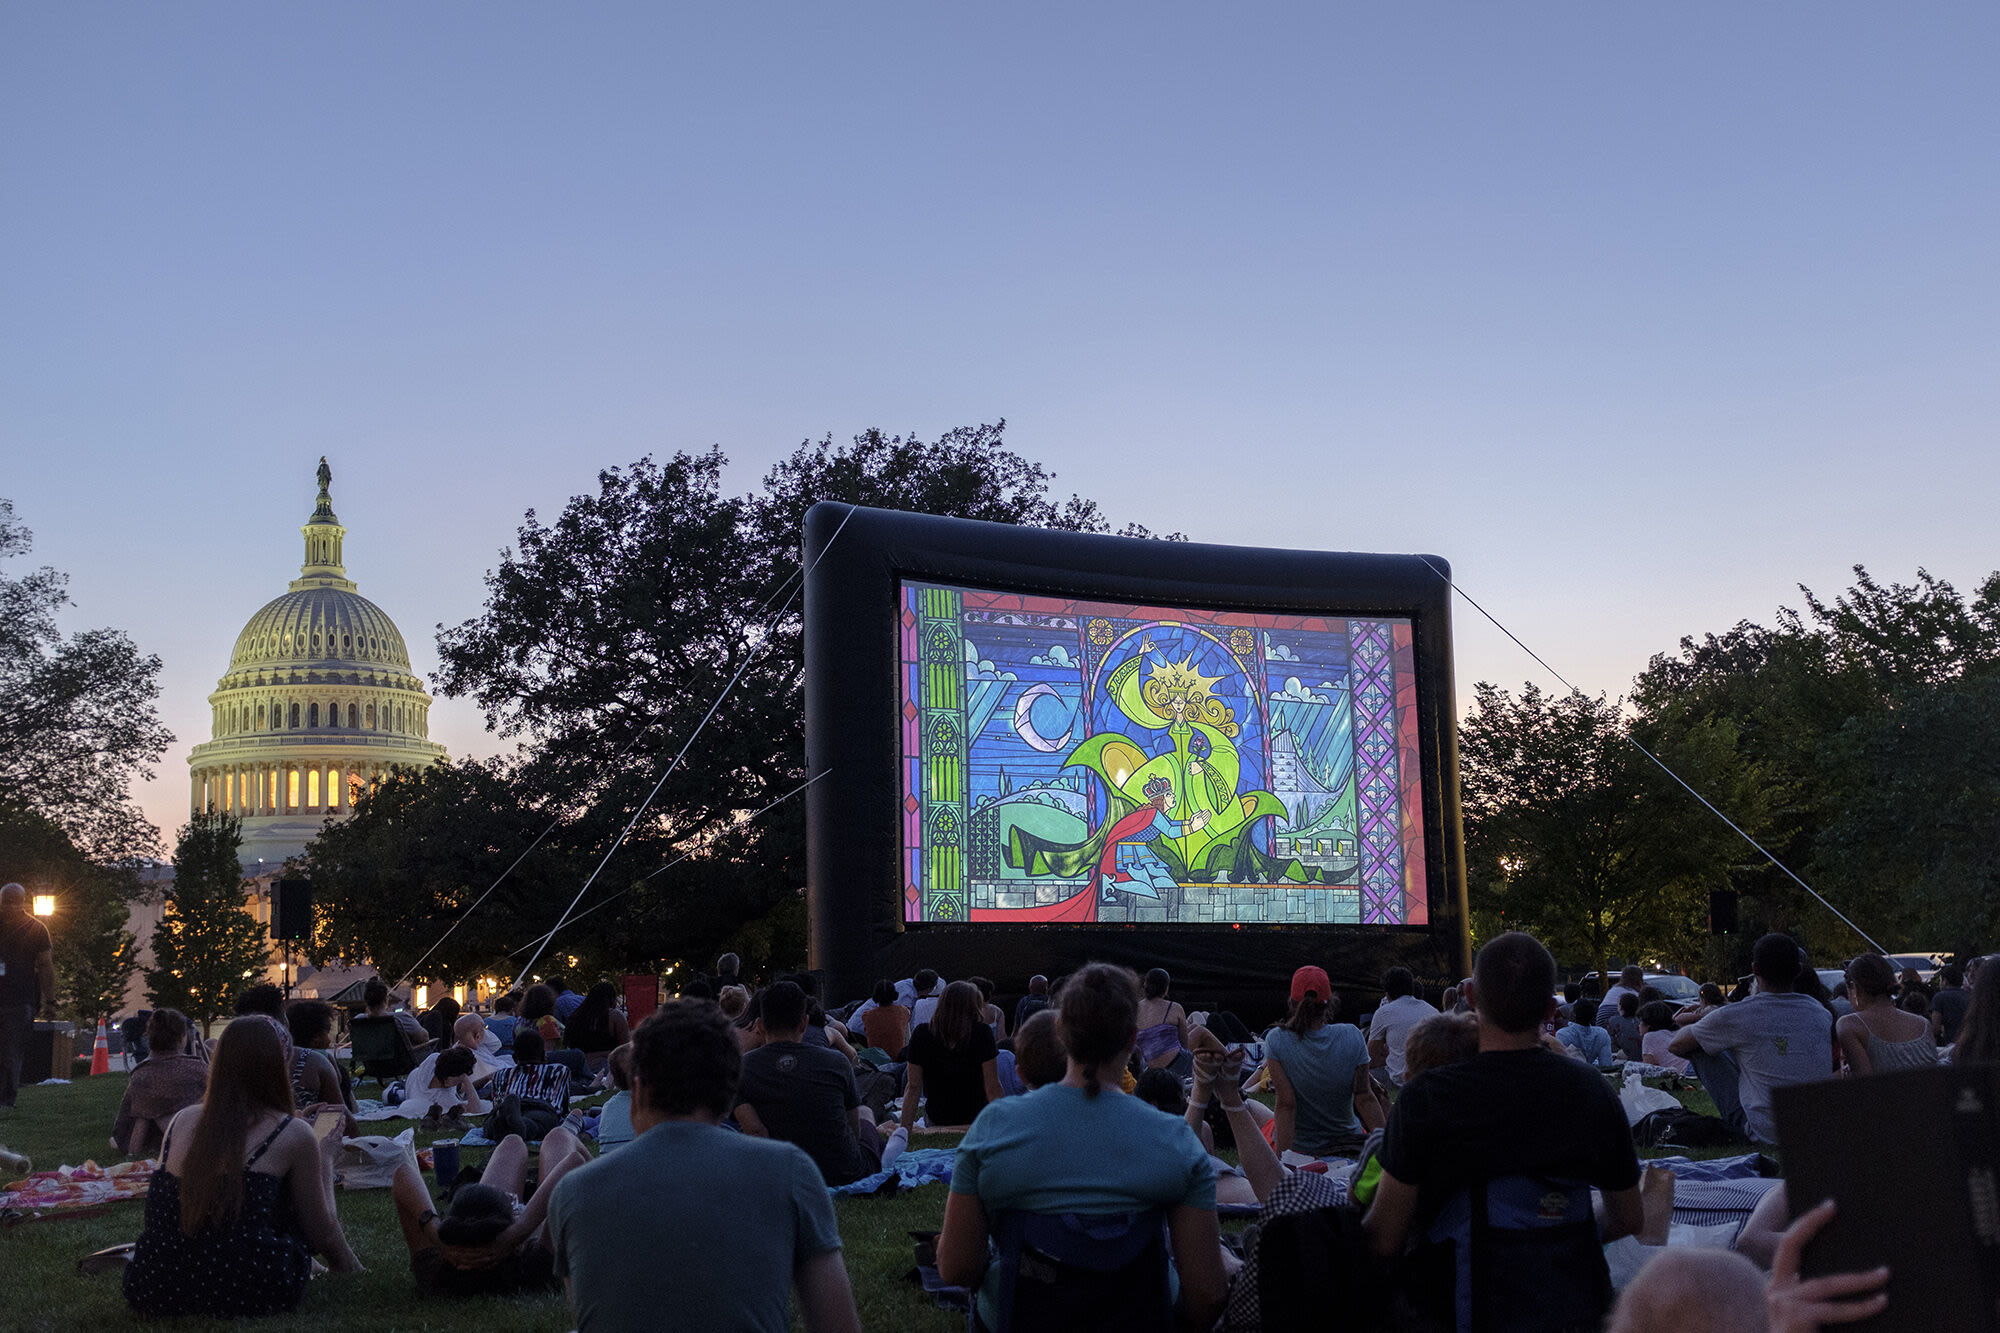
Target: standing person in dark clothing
[[1949, 1004], [1471, 1126], [27, 983], [806, 1094]]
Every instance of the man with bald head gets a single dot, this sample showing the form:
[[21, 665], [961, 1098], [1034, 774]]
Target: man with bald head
[[1693, 1289], [27, 983]]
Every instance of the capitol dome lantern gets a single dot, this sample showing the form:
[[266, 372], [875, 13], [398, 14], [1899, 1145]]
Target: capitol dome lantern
[[318, 703]]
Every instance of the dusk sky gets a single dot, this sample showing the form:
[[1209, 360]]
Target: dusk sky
[[1640, 315]]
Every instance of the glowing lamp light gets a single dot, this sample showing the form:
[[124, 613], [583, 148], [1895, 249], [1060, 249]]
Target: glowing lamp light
[[45, 904], [423, 997]]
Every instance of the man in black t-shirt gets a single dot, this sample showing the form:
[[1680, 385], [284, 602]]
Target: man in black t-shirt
[[1513, 1112], [805, 1094], [27, 983]]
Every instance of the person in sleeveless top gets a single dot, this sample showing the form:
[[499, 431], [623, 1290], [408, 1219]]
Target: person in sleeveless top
[[1877, 1036], [243, 1196], [1163, 1031]]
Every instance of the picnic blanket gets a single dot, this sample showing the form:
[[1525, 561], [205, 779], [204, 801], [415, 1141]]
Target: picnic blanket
[[918, 1166], [1718, 1193], [69, 1189]]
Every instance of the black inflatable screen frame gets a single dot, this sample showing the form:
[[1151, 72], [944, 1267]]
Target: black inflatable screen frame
[[853, 819]]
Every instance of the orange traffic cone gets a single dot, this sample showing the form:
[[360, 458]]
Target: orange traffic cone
[[100, 1054]]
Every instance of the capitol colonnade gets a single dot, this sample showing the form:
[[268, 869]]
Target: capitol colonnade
[[318, 705]]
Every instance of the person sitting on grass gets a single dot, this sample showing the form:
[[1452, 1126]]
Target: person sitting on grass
[[806, 1095], [1039, 1058], [1319, 1070], [1878, 1036], [487, 1242], [1078, 1146], [528, 1099], [1432, 1043], [430, 1092], [1656, 1030], [1468, 1124], [614, 1118], [1771, 1039], [1623, 1027], [691, 1225], [1163, 1027], [953, 1061], [315, 1082], [886, 1024], [1587, 1041], [376, 997], [243, 1196], [500, 1024], [597, 1026], [311, 1022], [165, 1084]]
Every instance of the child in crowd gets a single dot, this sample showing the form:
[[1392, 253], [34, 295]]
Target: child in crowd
[[1623, 1027], [614, 1118]]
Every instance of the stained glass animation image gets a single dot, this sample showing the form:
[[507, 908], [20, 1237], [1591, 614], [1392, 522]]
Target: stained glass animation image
[[1076, 761]]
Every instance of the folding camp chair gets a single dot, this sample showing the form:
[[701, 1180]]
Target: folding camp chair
[[378, 1049], [1107, 1272]]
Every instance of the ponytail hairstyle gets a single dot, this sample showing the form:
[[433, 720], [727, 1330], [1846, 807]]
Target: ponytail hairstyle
[[1098, 1018], [1309, 1014], [251, 1075]]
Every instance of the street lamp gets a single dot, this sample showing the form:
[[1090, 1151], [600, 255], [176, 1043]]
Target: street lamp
[[45, 904]]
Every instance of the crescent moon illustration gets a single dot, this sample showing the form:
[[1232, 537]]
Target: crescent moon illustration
[[1024, 725]]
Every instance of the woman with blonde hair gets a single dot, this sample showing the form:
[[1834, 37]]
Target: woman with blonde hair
[[953, 1061], [243, 1196]]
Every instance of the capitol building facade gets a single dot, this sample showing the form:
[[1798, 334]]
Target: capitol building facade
[[318, 704]]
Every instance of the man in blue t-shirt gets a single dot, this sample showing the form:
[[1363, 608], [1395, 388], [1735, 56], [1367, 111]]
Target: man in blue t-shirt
[[690, 1225]]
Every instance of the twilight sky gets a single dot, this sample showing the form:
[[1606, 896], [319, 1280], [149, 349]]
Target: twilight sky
[[1641, 315]]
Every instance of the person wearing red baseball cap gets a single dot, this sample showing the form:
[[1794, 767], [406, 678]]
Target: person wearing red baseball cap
[[1319, 1070]]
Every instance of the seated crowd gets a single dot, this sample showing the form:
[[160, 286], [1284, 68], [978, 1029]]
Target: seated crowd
[[1087, 1178]]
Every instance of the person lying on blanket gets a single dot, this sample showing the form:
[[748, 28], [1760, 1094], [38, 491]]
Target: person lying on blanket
[[487, 1241], [448, 1093]]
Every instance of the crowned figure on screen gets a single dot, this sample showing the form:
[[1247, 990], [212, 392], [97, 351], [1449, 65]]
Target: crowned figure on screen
[[1170, 779]]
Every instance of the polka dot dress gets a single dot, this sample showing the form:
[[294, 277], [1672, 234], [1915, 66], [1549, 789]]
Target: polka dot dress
[[257, 1263]]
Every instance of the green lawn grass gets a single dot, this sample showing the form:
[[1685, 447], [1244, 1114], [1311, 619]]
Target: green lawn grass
[[68, 1125]]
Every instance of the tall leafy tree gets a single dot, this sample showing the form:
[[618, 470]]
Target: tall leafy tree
[[1825, 706], [95, 954], [406, 869], [77, 715], [1573, 834], [1916, 840], [609, 632], [207, 946]]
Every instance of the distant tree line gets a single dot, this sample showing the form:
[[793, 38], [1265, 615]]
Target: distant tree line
[[1858, 740]]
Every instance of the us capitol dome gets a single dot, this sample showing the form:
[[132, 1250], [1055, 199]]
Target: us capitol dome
[[318, 704]]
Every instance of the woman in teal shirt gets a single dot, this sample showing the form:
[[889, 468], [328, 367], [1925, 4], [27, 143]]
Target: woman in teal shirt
[[1083, 1146], [1319, 1070]]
